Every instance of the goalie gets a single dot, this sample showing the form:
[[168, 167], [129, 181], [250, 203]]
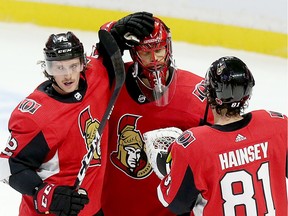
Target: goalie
[[152, 97], [236, 166]]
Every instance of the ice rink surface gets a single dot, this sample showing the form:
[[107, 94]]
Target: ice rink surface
[[21, 47]]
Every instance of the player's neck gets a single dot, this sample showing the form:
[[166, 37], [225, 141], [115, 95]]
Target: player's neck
[[222, 119]]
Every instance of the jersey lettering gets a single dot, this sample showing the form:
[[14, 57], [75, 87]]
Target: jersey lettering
[[243, 156], [44, 200]]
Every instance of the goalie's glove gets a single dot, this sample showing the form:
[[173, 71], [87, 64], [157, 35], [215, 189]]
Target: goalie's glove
[[129, 30], [59, 200], [157, 143]]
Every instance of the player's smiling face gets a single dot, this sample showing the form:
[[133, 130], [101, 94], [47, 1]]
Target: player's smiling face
[[67, 74]]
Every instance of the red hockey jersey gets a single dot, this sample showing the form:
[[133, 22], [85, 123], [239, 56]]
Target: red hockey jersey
[[239, 169], [50, 135], [130, 184]]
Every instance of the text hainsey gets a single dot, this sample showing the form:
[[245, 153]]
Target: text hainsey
[[243, 156]]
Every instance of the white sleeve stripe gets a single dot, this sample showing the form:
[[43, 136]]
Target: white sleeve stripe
[[5, 169], [49, 168], [199, 205], [160, 197]]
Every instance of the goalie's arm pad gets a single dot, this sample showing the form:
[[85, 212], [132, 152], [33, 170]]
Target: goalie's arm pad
[[157, 144]]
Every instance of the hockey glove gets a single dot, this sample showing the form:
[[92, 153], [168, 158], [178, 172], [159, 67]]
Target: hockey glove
[[129, 30], [60, 200], [157, 144]]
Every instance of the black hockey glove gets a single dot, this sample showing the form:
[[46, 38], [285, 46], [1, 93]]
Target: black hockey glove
[[132, 28], [59, 200]]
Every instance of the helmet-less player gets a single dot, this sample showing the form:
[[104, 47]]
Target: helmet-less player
[[51, 130], [238, 165], [155, 94]]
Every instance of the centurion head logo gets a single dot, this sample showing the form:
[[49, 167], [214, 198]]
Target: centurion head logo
[[88, 127], [130, 156]]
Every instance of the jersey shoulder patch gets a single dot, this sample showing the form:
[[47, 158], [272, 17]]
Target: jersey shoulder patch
[[275, 114], [29, 106], [186, 138], [199, 91]]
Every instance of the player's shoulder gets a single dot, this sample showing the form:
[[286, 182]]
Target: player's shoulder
[[25, 115], [191, 76], [95, 69], [268, 115], [94, 62], [275, 121], [189, 80], [37, 107], [193, 136]]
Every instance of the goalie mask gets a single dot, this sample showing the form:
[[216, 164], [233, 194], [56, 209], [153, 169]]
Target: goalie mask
[[154, 67], [229, 81]]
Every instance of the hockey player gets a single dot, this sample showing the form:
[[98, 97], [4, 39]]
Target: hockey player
[[238, 165], [51, 130], [156, 94]]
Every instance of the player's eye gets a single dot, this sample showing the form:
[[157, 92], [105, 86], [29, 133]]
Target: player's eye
[[60, 68]]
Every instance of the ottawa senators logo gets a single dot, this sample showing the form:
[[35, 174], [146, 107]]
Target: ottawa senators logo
[[276, 114], [29, 106], [130, 156], [199, 91], [186, 138], [88, 127]]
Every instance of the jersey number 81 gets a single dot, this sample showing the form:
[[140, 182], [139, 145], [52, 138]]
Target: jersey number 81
[[247, 197]]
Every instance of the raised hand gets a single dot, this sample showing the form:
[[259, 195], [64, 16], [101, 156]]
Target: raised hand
[[129, 30]]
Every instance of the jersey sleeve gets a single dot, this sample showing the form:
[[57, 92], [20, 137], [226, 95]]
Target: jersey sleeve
[[23, 154], [177, 190]]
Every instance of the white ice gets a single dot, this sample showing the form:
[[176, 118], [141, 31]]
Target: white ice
[[21, 47]]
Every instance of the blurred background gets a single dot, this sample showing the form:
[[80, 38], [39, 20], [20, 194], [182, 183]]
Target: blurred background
[[258, 25]]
